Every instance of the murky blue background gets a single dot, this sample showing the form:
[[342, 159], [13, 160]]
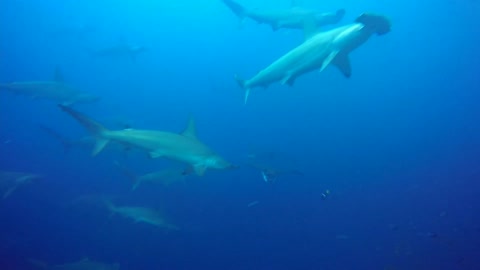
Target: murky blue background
[[397, 144]]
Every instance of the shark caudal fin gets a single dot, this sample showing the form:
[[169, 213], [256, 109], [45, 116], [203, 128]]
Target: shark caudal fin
[[129, 174], [378, 23], [66, 143], [236, 8], [96, 129], [241, 82]]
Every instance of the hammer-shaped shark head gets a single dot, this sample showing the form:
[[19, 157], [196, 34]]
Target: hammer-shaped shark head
[[378, 23]]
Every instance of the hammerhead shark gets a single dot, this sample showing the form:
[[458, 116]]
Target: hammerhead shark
[[84, 264], [183, 147], [56, 90], [141, 214], [68, 143], [11, 181], [165, 177], [292, 18], [319, 51]]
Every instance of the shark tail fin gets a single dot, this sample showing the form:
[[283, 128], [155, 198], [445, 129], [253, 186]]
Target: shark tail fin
[[236, 8], [38, 264], [129, 174], [96, 129], [66, 143], [241, 82], [378, 23]]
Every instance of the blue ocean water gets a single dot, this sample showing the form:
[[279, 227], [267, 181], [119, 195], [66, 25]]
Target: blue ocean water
[[380, 171]]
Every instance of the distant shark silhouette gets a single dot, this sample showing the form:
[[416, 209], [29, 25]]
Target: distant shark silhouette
[[11, 181], [165, 177], [141, 215], [288, 18], [56, 90], [120, 51], [319, 51], [184, 147]]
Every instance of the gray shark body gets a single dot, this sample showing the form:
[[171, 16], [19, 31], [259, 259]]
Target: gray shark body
[[319, 51], [84, 264], [119, 51], [56, 90], [293, 18], [11, 181], [164, 177], [183, 147], [141, 214]]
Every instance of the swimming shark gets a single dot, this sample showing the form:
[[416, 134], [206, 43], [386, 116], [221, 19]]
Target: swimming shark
[[183, 147], [292, 18], [84, 264], [86, 142], [165, 177], [119, 51], [11, 181], [318, 51], [56, 90], [68, 143], [141, 214]]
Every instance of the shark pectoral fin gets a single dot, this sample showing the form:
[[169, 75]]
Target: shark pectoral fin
[[247, 93], [199, 169], [243, 84], [289, 79], [328, 59], [342, 62], [100, 143], [156, 154]]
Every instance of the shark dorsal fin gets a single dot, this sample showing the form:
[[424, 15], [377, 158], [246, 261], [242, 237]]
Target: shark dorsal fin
[[343, 64], [58, 76], [190, 131]]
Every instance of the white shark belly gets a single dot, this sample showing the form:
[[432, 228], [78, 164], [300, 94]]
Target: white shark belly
[[302, 59]]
